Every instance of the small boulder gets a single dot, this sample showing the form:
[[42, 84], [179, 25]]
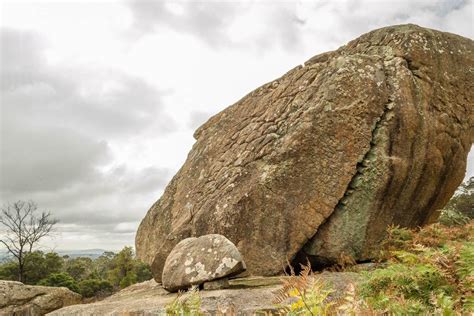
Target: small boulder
[[194, 261]]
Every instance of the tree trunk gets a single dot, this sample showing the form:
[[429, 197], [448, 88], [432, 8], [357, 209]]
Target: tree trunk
[[21, 272]]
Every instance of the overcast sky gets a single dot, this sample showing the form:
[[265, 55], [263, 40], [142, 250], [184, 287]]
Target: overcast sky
[[99, 99]]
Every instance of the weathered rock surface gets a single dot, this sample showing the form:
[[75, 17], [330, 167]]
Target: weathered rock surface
[[245, 296], [17, 298], [325, 157], [194, 261]]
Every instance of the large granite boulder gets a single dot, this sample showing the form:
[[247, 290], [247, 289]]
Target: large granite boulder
[[320, 161], [17, 298], [194, 261]]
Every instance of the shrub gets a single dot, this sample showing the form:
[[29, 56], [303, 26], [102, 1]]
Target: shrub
[[9, 271], [60, 279], [463, 199], [39, 265], [79, 268], [429, 271], [415, 282], [452, 217], [95, 287]]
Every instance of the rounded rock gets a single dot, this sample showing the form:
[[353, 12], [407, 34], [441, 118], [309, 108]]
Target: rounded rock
[[194, 261]]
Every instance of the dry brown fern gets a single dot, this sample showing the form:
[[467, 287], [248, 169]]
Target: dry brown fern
[[291, 283]]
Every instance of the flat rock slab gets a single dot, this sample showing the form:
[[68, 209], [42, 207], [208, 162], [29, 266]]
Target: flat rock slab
[[245, 296], [216, 284], [194, 261], [17, 298]]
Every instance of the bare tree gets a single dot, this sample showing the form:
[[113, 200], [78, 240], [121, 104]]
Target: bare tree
[[23, 228]]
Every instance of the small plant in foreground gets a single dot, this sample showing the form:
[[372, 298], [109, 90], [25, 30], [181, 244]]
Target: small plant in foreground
[[304, 295], [186, 304]]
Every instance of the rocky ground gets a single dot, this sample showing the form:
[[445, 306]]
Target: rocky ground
[[245, 296]]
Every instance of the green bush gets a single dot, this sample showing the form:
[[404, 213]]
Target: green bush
[[39, 265], [9, 271], [430, 271], [125, 269], [452, 217], [463, 199], [89, 277], [60, 279], [79, 268], [95, 287], [415, 282]]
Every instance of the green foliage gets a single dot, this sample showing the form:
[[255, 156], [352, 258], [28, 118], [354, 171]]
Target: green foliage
[[185, 304], [413, 281], [60, 279], [430, 271], [102, 264], [39, 265], [98, 277], [125, 270], [452, 217], [465, 263], [95, 287], [463, 200], [142, 271], [122, 265], [9, 271], [79, 268]]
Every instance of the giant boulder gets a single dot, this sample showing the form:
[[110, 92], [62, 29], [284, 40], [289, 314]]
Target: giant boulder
[[320, 161]]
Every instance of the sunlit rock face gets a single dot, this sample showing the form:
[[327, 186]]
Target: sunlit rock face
[[319, 162]]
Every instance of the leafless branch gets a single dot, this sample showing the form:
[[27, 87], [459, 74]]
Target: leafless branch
[[23, 229]]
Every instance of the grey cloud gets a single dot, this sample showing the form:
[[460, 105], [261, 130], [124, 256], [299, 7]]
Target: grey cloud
[[19, 58], [104, 103], [107, 198], [294, 26], [56, 124], [210, 21], [283, 27], [46, 158], [197, 118], [360, 16], [442, 8], [207, 20], [54, 130]]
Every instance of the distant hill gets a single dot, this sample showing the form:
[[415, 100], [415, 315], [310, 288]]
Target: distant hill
[[89, 253]]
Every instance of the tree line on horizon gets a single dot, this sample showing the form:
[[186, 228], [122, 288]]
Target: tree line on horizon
[[98, 277], [23, 226]]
